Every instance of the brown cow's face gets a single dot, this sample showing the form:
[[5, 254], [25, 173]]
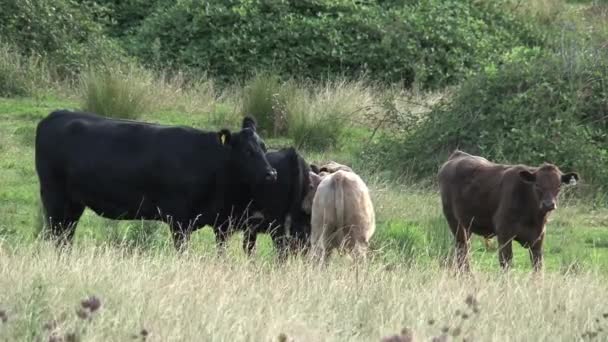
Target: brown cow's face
[[547, 181]]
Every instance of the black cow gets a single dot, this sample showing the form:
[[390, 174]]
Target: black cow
[[128, 170], [268, 206]]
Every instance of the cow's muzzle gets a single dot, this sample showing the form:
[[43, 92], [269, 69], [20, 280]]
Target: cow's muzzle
[[548, 205], [271, 176]]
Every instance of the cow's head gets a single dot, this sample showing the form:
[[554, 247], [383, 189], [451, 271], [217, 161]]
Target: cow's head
[[547, 181], [248, 153], [313, 184], [332, 167]]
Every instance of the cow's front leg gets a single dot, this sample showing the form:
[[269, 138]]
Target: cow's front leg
[[220, 241], [505, 251], [181, 235], [249, 240], [536, 254], [279, 240]]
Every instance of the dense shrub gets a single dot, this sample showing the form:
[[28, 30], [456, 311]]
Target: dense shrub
[[433, 42], [122, 16], [62, 31], [535, 107]]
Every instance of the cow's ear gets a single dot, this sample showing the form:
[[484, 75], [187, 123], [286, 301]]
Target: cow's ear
[[314, 168], [570, 178], [527, 176], [224, 135], [314, 180], [249, 122]]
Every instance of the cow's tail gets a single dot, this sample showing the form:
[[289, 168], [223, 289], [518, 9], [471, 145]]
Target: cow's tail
[[339, 200]]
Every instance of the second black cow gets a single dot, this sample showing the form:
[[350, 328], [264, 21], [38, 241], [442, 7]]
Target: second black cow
[[278, 208]]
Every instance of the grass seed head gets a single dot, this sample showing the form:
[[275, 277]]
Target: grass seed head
[[471, 301], [440, 338], [72, 337], [51, 325], [92, 303], [82, 314]]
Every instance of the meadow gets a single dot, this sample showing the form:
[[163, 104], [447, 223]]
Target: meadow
[[518, 82], [132, 268]]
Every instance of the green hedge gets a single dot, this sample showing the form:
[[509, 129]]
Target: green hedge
[[64, 32], [534, 107], [432, 42]]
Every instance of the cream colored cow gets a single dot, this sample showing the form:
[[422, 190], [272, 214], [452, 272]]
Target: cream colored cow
[[342, 214]]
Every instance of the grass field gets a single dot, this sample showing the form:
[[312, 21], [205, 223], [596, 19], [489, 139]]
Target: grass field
[[132, 268], [201, 298]]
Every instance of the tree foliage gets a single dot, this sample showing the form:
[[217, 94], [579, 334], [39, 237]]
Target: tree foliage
[[431, 42]]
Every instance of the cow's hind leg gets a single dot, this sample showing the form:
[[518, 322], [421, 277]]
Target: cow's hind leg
[[462, 248], [61, 215], [461, 240], [359, 250]]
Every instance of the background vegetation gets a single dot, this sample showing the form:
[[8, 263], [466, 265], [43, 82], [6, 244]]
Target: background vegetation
[[389, 87]]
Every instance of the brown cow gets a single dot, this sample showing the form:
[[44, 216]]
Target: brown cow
[[342, 214], [511, 202]]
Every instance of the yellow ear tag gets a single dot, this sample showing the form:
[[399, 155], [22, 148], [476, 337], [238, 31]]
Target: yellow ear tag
[[223, 139]]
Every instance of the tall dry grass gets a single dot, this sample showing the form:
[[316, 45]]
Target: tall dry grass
[[22, 75], [195, 298], [117, 91], [129, 91], [315, 116]]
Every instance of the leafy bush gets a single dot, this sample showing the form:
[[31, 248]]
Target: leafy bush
[[122, 16], [116, 91], [62, 31], [433, 42], [536, 106]]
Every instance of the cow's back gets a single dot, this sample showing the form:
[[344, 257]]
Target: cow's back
[[78, 138], [342, 209], [122, 168], [471, 190], [359, 211]]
